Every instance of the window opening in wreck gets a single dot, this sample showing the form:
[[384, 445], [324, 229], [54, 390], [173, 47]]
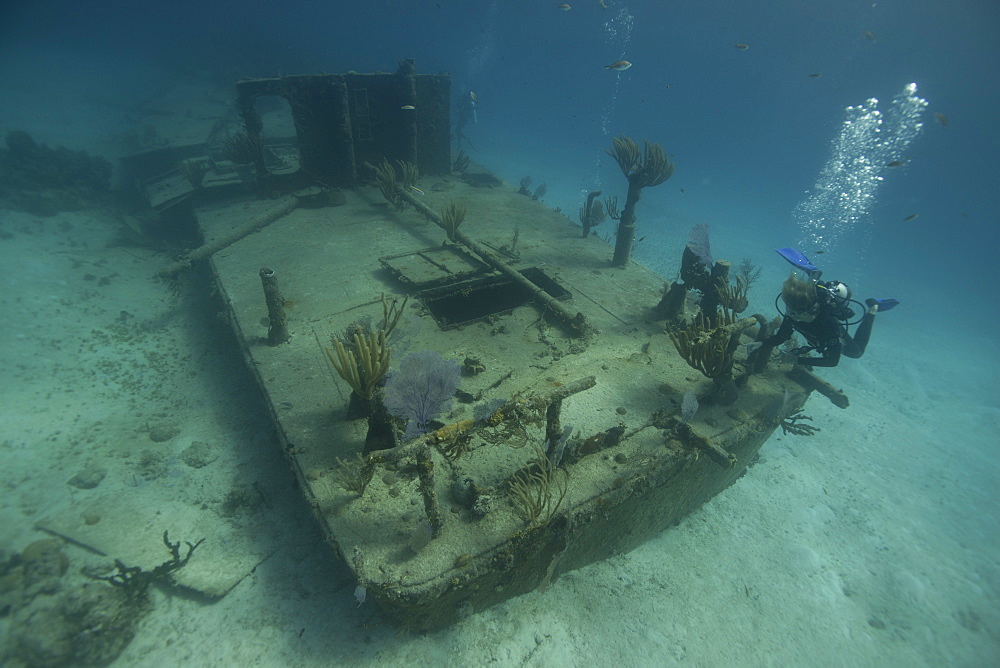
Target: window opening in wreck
[[280, 139]]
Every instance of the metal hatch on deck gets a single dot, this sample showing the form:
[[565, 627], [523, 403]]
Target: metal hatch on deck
[[457, 288], [468, 301], [434, 266]]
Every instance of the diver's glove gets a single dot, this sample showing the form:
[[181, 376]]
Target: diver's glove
[[788, 357]]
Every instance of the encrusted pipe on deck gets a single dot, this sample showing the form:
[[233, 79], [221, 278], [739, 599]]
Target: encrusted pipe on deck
[[576, 323], [277, 324]]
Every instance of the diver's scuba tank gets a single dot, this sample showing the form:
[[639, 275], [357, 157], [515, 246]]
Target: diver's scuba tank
[[838, 295], [839, 291]]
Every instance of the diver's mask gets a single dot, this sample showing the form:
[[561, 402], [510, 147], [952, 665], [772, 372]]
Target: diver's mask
[[808, 315]]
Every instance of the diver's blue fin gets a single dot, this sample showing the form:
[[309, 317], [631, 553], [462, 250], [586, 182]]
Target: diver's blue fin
[[883, 304], [797, 259]]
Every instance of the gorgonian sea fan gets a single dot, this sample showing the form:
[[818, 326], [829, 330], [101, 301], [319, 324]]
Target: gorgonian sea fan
[[421, 389], [700, 245]]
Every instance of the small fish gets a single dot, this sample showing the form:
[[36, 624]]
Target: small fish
[[666, 85], [912, 216], [417, 190], [820, 252], [408, 107], [600, 3], [815, 75], [941, 118], [620, 66], [741, 46], [564, 7], [896, 163], [870, 35]]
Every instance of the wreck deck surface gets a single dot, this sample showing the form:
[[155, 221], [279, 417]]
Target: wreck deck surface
[[327, 264]]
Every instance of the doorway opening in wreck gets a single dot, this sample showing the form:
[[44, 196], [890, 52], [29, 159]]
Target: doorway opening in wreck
[[279, 137]]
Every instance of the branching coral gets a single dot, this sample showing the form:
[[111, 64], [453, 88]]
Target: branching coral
[[354, 473], [410, 174], [363, 372], [385, 176], [539, 491], [795, 424], [243, 148], [592, 213], [452, 216], [653, 169], [392, 311], [193, 171], [733, 298], [708, 350], [461, 162]]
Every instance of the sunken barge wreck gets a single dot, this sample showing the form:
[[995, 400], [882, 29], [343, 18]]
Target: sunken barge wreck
[[474, 397]]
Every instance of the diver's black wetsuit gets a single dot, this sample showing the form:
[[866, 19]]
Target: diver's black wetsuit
[[827, 335]]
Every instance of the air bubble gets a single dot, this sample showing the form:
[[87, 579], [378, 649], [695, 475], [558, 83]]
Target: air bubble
[[848, 184]]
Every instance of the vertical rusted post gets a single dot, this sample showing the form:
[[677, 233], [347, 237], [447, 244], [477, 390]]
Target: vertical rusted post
[[425, 477], [553, 429], [625, 236], [345, 133], [277, 328], [408, 102]]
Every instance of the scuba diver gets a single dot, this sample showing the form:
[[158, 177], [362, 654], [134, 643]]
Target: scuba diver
[[819, 311], [466, 110]]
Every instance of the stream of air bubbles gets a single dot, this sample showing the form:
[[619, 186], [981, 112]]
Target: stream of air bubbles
[[869, 143]]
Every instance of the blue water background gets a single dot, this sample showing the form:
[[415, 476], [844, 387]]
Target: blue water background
[[750, 132]]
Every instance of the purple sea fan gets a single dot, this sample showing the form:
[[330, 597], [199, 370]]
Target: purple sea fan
[[699, 244], [689, 406], [421, 389]]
